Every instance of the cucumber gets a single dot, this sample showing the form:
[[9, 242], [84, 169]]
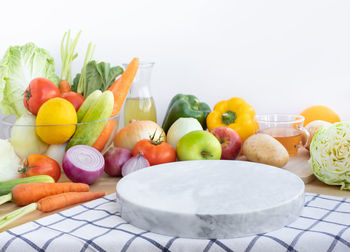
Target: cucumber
[[87, 134], [91, 99], [6, 186]]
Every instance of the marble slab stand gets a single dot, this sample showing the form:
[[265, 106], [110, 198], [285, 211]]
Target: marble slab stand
[[210, 199]]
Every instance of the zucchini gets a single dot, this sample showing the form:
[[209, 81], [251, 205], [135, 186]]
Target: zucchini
[[6, 186], [91, 99], [100, 111]]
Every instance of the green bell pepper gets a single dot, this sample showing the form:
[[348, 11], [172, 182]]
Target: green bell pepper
[[185, 106]]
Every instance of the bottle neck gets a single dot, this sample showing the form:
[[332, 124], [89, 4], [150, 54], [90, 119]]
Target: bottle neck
[[140, 91], [141, 86]]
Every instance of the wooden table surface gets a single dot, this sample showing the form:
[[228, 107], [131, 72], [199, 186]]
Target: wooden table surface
[[108, 185]]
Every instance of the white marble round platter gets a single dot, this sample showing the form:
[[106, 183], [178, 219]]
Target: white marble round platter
[[210, 199]]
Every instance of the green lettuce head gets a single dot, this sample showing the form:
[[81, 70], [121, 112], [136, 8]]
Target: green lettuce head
[[330, 154], [18, 67]]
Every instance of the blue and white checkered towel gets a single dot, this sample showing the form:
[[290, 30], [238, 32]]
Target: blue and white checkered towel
[[96, 226]]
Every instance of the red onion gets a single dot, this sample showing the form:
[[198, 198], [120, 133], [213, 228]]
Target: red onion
[[83, 163], [115, 158], [134, 164]]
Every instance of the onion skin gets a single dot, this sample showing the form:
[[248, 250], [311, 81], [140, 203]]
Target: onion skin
[[115, 158], [136, 131], [73, 168]]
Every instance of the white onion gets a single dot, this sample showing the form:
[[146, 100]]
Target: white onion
[[181, 127], [56, 152], [24, 139]]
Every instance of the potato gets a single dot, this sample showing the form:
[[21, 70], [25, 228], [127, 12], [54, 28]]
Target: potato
[[263, 148]]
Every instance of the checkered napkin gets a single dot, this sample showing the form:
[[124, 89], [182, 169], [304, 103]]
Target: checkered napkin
[[96, 226]]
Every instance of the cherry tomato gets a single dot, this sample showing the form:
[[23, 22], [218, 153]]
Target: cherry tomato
[[155, 152], [75, 98], [37, 164], [39, 91]]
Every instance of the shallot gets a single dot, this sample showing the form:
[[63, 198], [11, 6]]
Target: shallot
[[134, 164], [115, 158]]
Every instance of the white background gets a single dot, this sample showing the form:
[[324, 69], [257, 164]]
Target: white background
[[280, 56]]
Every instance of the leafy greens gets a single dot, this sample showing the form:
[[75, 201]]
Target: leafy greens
[[18, 67], [97, 76]]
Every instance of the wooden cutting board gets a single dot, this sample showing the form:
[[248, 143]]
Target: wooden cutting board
[[298, 165]]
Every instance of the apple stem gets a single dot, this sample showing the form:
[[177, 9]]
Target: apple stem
[[206, 154]]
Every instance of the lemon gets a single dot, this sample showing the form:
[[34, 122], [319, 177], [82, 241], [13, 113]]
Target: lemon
[[55, 112]]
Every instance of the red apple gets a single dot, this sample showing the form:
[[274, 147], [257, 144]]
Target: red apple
[[230, 142]]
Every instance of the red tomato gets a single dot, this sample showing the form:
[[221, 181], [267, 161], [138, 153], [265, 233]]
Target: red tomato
[[39, 91], [37, 164], [75, 98], [154, 152]]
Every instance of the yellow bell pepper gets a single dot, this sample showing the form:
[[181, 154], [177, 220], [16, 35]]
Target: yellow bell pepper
[[236, 114]]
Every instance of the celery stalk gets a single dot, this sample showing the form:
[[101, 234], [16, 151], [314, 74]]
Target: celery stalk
[[5, 198], [14, 215]]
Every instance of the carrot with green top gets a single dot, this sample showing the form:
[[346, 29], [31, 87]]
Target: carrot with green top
[[67, 56], [68, 46], [64, 86], [50, 203]]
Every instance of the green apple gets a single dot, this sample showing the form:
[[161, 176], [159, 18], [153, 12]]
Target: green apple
[[181, 127], [198, 145]]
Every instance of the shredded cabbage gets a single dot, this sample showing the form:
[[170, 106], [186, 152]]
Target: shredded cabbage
[[330, 154]]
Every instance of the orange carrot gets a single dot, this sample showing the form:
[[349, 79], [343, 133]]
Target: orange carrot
[[113, 87], [58, 201], [120, 87], [64, 86], [24, 194], [50, 203], [104, 136]]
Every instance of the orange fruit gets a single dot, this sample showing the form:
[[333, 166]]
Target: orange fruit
[[319, 112]]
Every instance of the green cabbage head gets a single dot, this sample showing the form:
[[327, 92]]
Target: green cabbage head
[[18, 67], [330, 154]]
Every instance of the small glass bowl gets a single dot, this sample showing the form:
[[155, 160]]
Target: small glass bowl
[[286, 128]]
